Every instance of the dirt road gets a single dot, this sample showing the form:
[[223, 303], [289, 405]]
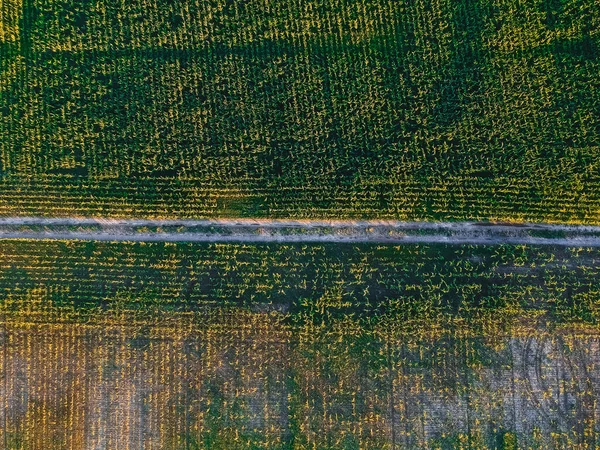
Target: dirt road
[[259, 230]]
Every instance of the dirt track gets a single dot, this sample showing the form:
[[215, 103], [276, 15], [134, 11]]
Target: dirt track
[[251, 230]]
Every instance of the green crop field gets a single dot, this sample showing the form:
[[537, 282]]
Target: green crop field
[[482, 109], [303, 281], [413, 110], [233, 346]]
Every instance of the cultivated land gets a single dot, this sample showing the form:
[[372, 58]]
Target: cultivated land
[[366, 130], [407, 110], [436, 280], [187, 345], [252, 382]]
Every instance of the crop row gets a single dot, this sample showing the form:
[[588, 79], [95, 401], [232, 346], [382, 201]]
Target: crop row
[[257, 384], [453, 199], [301, 95], [303, 282]]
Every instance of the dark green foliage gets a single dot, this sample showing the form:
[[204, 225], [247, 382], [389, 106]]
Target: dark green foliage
[[411, 110], [307, 283]]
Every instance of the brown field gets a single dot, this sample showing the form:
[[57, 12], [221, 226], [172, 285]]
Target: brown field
[[250, 381]]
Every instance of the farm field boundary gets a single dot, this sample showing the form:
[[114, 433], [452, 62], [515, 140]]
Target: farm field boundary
[[262, 230]]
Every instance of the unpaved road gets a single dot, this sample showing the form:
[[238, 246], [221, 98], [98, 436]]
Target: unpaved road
[[260, 230]]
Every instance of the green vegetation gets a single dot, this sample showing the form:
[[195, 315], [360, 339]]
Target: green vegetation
[[387, 109], [238, 346], [303, 282], [398, 109]]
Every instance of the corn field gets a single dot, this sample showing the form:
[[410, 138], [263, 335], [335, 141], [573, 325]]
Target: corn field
[[408, 110], [428, 109], [224, 346]]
